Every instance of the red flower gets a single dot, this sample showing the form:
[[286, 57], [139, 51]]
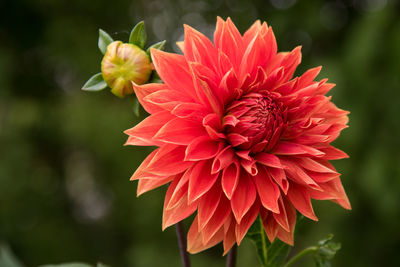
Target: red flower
[[238, 136]]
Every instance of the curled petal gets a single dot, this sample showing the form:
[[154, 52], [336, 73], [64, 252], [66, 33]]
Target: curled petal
[[230, 179]]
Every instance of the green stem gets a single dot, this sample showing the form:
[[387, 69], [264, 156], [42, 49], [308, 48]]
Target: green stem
[[300, 255], [263, 241]]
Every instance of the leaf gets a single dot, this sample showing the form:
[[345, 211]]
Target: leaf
[[138, 35], [136, 106], [159, 46], [104, 40], [277, 253], [326, 252], [257, 234], [270, 255], [7, 258], [95, 83], [154, 78]]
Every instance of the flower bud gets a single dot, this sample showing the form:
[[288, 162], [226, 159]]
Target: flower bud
[[123, 63]]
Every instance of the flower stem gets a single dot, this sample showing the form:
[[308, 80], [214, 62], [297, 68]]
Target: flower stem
[[231, 258], [300, 255], [182, 244]]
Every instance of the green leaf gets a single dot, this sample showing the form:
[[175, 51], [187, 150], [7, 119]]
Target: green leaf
[[270, 255], [7, 258], [277, 253], [159, 46], [257, 235], [95, 83], [104, 40], [154, 78], [326, 252], [138, 35], [136, 106]]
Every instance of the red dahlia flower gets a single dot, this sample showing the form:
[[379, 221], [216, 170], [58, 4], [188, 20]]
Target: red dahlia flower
[[238, 136]]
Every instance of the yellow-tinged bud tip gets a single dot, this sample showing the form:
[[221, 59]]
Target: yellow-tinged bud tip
[[123, 63]]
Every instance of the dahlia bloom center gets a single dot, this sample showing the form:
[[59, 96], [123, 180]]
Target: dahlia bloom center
[[259, 119]]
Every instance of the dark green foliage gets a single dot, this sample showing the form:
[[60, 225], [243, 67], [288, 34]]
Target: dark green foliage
[[325, 252], [270, 255]]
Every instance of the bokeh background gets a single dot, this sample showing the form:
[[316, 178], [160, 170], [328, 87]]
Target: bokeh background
[[65, 193]]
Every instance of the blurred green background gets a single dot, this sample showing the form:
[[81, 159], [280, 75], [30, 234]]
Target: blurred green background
[[65, 193]]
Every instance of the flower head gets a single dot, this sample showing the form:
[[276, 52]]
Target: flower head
[[238, 136], [123, 63]]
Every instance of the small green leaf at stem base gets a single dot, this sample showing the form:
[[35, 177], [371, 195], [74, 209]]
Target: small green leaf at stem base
[[104, 40], [326, 252], [159, 46], [95, 83], [136, 106], [154, 78], [138, 35]]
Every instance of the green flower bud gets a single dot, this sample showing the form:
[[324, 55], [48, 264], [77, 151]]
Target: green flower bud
[[123, 63]]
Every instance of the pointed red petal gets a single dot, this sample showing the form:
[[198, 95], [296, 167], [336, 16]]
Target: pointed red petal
[[141, 172], [178, 213], [167, 99], [281, 217], [142, 91], [288, 148], [201, 180], [218, 219], [243, 197], [173, 70], [198, 48], [246, 222], [202, 148], [268, 160], [301, 200], [179, 131], [208, 205], [146, 185], [230, 237], [147, 128], [195, 240], [168, 161], [268, 191]]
